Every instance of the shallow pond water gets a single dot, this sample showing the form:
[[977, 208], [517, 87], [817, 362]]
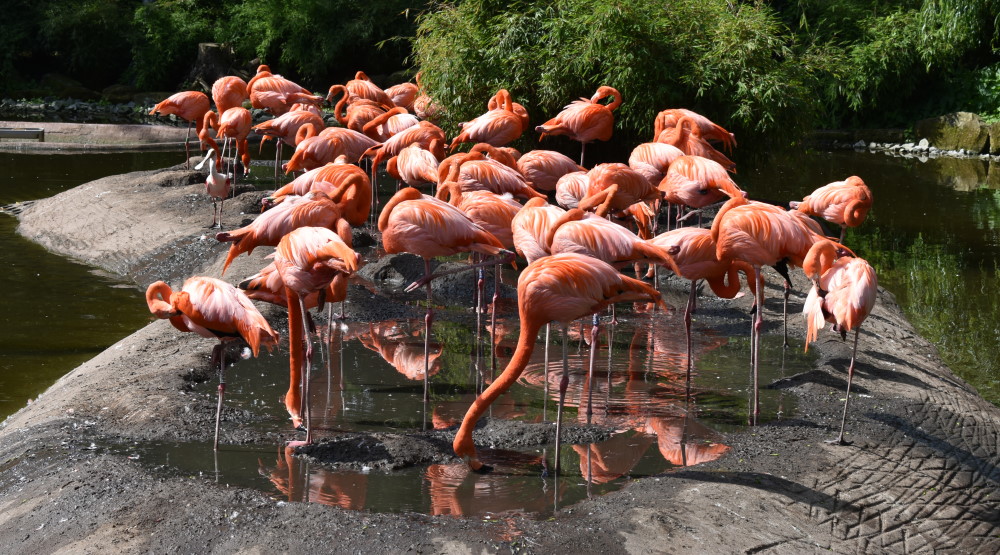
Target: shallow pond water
[[932, 237]]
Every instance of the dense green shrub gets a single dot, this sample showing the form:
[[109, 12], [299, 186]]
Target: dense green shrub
[[321, 42], [739, 66], [166, 37]]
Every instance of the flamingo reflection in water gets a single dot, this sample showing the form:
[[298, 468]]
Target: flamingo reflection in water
[[295, 480], [401, 349]]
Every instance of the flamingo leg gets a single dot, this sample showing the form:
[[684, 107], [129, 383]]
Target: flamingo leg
[[847, 400], [758, 326], [594, 329], [493, 318], [219, 353], [563, 385], [305, 380], [843, 232], [687, 328], [545, 398], [428, 319], [187, 147]]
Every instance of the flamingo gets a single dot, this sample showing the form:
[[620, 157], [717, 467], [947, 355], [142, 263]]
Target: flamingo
[[313, 152], [477, 174], [843, 293], [285, 128], [497, 127], [403, 95], [694, 252], [313, 209], [845, 203], [696, 182], [229, 92], [531, 226], [760, 235], [217, 186], [214, 309], [708, 130], [561, 288], [615, 187], [571, 188], [190, 106], [307, 259], [424, 107], [234, 124], [363, 87], [653, 159], [427, 227], [585, 120], [543, 168], [414, 165], [276, 94], [389, 123], [346, 184], [687, 137]]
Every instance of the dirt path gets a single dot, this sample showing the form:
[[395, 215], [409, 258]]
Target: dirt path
[[921, 475]]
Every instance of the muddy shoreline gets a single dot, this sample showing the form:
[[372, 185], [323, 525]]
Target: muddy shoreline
[[921, 474]]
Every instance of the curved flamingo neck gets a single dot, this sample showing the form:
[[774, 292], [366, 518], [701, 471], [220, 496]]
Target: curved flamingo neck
[[158, 299], [819, 259], [570, 216], [408, 193], [522, 355]]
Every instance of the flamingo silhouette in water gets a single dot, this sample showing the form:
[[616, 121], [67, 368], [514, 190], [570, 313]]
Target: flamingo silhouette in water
[[214, 309]]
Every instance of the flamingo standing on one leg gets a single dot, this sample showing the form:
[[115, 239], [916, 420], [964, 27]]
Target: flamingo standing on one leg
[[760, 235], [189, 106], [585, 120], [423, 225], [843, 293], [214, 309], [694, 252], [561, 288]]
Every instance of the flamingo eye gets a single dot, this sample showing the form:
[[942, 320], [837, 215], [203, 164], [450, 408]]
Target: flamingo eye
[[703, 191]]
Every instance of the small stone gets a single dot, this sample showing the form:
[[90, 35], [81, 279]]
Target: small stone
[[924, 143]]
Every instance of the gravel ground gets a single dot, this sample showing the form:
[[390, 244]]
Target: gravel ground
[[920, 475]]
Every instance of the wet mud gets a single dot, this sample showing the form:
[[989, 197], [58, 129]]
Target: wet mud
[[920, 475]]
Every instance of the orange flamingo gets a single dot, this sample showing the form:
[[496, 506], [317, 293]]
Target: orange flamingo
[[579, 232], [615, 187], [571, 188], [760, 235], [653, 159], [403, 95], [694, 252], [531, 226], [276, 94], [543, 168], [845, 203], [363, 87], [585, 120], [284, 129], [562, 288], [696, 182], [234, 124], [307, 259], [217, 186], [313, 152], [414, 165], [229, 92], [490, 175], [708, 130], [843, 293], [497, 127], [214, 309], [190, 106], [389, 123], [424, 107], [687, 137], [346, 184], [427, 227], [313, 209]]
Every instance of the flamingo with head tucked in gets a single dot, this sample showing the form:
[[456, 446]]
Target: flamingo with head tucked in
[[843, 293], [585, 120], [214, 309], [190, 106], [845, 203]]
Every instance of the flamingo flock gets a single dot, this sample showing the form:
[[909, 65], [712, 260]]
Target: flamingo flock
[[578, 228]]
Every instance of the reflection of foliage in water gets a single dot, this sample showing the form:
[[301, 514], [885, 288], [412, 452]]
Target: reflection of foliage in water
[[947, 299]]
